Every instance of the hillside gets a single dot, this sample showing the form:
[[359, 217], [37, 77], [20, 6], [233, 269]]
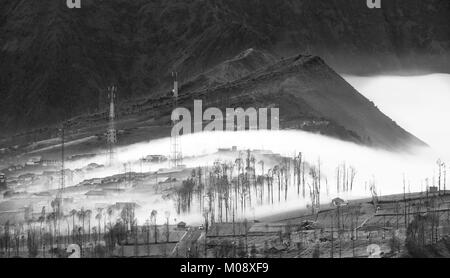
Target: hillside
[[56, 62], [310, 95]]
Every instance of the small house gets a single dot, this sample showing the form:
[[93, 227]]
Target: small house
[[181, 225], [338, 202]]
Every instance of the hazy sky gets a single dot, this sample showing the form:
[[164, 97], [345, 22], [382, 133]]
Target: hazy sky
[[420, 104]]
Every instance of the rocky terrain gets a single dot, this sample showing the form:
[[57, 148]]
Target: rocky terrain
[[309, 94], [57, 62]]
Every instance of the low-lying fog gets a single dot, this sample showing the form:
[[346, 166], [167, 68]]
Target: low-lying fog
[[420, 104]]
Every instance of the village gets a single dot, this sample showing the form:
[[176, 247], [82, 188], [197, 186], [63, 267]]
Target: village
[[94, 221], [231, 203]]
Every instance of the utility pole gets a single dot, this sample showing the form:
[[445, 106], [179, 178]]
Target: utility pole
[[339, 231], [176, 156], [332, 236], [111, 135], [205, 214], [59, 197], [62, 160], [246, 238], [445, 176], [439, 163], [353, 227], [404, 201]]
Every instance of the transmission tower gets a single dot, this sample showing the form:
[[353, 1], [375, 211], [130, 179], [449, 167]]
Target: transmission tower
[[111, 134], [62, 183], [176, 159]]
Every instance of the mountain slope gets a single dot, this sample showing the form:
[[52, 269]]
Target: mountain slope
[[56, 62], [311, 96], [230, 70]]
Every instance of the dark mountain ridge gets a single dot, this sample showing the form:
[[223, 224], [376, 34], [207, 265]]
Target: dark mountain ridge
[[309, 94], [57, 62]]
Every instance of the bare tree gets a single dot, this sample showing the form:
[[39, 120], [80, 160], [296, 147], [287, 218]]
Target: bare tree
[[73, 213], [153, 215], [352, 177], [167, 215]]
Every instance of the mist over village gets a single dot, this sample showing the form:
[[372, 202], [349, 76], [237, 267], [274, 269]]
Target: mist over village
[[224, 129]]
